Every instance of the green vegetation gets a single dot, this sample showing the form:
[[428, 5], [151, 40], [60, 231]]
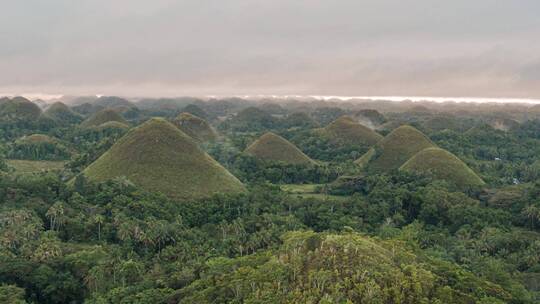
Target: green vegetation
[[18, 110], [158, 157], [394, 150], [195, 127], [157, 217], [369, 117], [111, 125], [62, 114], [274, 148], [32, 166], [101, 117], [195, 110], [443, 165], [346, 130], [328, 268], [250, 119], [38, 147]]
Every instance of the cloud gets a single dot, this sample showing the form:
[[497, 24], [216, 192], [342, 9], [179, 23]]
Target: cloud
[[349, 47]]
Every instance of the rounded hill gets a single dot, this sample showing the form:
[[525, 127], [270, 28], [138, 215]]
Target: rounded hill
[[19, 109], [394, 150], [157, 156], [346, 130], [250, 119], [195, 127], [102, 117], [111, 125], [62, 113], [441, 164], [272, 147], [370, 117], [38, 147]]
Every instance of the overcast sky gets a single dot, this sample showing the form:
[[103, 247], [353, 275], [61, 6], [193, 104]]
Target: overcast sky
[[483, 48]]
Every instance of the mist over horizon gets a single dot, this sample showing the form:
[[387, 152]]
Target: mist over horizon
[[483, 49]]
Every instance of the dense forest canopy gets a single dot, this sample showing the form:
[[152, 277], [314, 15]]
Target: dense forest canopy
[[187, 200]]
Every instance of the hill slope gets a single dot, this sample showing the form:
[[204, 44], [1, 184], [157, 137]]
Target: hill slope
[[102, 117], [250, 119], [272, 147], [195, 127], [444, 165], [346, 130], [18, 109], [339, 268], [159, 157], [62, 113], [394, 150]]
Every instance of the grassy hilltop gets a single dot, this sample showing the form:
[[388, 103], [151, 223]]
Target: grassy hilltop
[[394, 150], [346, 130], [159, 157], [272, 147], [62, 113], [195, 127], [102, 117], [444, 165]]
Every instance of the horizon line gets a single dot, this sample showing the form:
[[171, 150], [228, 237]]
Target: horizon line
[[337, 98]]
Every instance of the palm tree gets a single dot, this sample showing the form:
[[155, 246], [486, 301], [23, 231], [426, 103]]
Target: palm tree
[[99, 219], [55, 215], [532, 213]]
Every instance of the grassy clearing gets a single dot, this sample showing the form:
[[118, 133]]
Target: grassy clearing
[[29, 166], [309, 191]]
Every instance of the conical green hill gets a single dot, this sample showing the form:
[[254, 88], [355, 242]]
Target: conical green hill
[[102, 117], [62, 113], [346, 130], [443, 165], [272, 147], [195, 127], [394, 150], [159, 157]]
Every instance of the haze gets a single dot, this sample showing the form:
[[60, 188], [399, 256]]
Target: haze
[[482, 48]]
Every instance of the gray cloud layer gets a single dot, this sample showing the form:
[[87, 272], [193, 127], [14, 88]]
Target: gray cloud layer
[[322, 47]]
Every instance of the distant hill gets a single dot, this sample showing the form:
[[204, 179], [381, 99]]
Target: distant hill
[[102, 117], [112, 125], [394, 150], [299, 120], [441, 164], [346, 130], [272, 108], [503, 124], [195, 110], [250, 119], [272, 147], [18, 109], [370, 118], [62, 114], [195, 127], [38, 147], [113, 102], [157, 156], [87, 108]]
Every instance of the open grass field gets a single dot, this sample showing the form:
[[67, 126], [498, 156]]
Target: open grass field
[[30, 166]]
